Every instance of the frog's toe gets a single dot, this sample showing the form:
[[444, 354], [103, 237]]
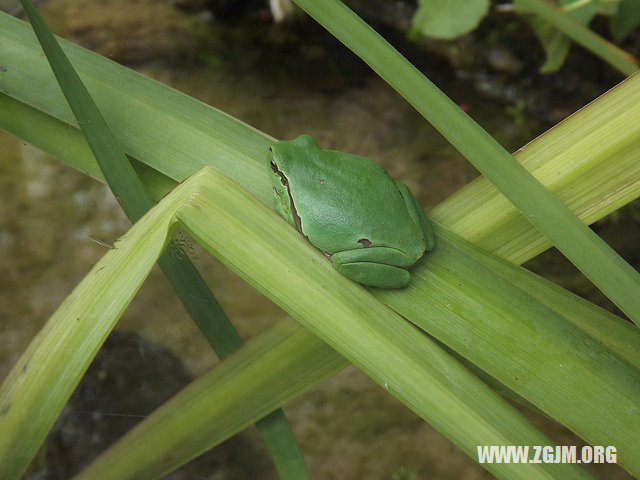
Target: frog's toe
[[375, 274]]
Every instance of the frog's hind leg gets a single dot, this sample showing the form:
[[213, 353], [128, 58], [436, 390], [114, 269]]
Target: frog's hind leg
[[417, 214], [352, 265], [375, 274]]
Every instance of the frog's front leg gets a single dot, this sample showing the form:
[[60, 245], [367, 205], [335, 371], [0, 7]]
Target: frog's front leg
[[417, 214], [374, 266]]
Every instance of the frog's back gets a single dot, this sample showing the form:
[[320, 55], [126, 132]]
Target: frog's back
[[351, 202]]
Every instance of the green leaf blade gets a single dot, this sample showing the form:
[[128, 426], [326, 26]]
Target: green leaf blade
[[116, 168], [574, 29]]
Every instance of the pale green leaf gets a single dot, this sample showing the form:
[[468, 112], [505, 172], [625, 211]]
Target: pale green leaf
[[448, 19], [626, 18]]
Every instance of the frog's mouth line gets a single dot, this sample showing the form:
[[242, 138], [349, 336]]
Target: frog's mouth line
[[294, 213]]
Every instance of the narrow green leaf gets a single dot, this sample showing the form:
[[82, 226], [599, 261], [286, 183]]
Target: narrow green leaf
[[601, 264], [190, 287], [117, 170], [626, 18], [556, 44], [571, 27]]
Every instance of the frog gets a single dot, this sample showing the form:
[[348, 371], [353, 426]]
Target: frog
[[369, 225]]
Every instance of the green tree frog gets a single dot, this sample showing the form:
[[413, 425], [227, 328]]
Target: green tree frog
[[369, 225]]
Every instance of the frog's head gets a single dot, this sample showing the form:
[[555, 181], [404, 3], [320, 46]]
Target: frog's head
[[282, 153]]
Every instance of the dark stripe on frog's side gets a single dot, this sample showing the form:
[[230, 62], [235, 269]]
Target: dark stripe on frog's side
[[294, 213]]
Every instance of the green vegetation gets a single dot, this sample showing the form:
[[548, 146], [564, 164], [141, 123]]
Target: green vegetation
[[538, 342]]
